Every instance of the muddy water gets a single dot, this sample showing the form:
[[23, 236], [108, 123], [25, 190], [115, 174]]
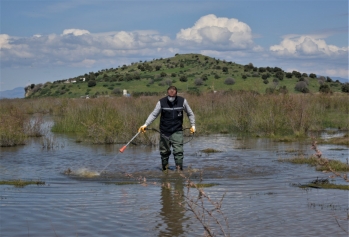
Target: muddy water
[[92, 190]]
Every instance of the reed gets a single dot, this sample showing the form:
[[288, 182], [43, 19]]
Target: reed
[[11, 125], [103, 120], [117, 119]]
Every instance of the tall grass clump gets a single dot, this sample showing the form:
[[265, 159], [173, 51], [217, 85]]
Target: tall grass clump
[[104, 120], [334, 110], [117, 119], [250, 112], [11, 125]]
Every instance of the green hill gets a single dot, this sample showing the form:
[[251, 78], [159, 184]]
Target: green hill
[[192, 73]]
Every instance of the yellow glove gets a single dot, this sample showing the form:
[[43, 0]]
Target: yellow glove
[[142, 128], [192, 129]]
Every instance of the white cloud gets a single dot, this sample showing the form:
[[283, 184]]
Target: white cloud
[[217, 32], [4, 41], [75, 32], [307, 46], [339, 72], [224, 38]]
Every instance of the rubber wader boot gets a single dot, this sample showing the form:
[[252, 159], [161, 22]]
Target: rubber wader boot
[[165, 168], [179, 166]]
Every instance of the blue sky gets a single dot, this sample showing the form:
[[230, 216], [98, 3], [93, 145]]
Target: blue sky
[[52, 40]]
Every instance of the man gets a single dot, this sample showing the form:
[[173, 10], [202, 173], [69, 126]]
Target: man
[[171, 108]]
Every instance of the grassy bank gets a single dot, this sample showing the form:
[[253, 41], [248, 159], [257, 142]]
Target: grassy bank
[[116, 119]]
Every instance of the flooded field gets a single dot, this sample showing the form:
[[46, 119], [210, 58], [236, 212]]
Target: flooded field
[[93, 190]]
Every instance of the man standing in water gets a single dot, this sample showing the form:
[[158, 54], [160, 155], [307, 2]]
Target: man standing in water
[[171, 108]]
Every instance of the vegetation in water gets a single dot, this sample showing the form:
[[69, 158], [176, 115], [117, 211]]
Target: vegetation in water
[[210, 150], [323, 183], [314, 161], [20, 183], [116, 119]]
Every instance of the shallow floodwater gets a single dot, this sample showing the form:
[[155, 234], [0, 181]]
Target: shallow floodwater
[[93, 190]]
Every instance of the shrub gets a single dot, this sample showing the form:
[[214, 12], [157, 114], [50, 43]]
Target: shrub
[[168, 82], [91, 83], [279, 75], [289, 75], [312, 75], [198, 82], [183, 78], [276, 81], [345, 87], [296, 74], [229, 81], [261, 69], [301, 86], [325, 88]]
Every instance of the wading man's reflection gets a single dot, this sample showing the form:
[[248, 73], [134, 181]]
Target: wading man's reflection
[[171, 211]]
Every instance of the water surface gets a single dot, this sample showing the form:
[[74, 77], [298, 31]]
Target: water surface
[[102, 195]]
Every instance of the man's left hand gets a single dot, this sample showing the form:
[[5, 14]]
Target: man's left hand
[[192, 129]]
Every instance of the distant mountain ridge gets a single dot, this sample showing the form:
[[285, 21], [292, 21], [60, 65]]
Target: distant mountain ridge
[[341, 79], [17, 92]]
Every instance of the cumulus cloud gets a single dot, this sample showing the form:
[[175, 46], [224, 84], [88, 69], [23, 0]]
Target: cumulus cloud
[[75, 32], [4, 41], [306, 46], [224, 38], [217, 32], [77, 47]]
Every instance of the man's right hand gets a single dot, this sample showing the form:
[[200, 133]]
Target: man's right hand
[[142, 128]]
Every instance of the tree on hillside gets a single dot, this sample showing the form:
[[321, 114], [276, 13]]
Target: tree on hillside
[[297, 74], [279, 75], [329, 79], [312, 75], [345, 87], [277, 69], [289, 75], [204, 77], [262, 69], [183, 78], [91, 83]]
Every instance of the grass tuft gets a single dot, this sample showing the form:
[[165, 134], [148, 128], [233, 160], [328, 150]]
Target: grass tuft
[[20, 183], [313, 161]]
